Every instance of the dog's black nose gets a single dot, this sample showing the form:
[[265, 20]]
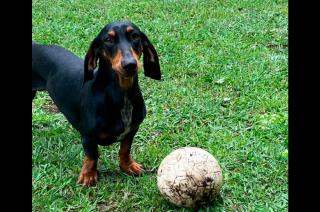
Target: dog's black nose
[[129, 66]]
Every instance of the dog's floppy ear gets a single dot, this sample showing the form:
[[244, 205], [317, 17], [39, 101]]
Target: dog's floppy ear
[[90, 61], [151, 64]]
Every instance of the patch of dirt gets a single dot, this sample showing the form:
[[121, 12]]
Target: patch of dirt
[[50, 107]]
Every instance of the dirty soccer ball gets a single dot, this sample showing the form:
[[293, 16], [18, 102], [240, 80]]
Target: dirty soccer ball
[[189, 177]]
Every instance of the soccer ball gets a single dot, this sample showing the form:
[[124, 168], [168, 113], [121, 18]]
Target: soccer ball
[[189, 177]]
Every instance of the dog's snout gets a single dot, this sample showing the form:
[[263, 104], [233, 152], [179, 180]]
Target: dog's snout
[[129, 65]]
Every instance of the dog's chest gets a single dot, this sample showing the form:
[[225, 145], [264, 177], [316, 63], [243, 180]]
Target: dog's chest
[[126, 117]]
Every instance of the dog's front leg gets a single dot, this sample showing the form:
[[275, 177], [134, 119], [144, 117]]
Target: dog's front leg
[[126, 163], [89, 173]]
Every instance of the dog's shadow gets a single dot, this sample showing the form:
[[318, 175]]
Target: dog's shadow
[[116, 175]]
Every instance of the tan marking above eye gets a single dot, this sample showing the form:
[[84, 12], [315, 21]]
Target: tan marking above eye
[[129, 29], [112, 33]]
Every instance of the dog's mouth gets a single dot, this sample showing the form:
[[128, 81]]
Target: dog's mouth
[[125, 77], [126, 74]]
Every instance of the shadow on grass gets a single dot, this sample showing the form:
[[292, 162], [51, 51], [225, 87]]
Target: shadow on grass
[[117, 174]]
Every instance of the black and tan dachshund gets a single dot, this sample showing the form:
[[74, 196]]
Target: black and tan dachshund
[[99, 96]]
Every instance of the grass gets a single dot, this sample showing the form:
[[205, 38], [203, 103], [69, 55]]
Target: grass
[[225, 89]]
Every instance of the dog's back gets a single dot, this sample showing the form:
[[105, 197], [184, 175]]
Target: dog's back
[[51, 59], [56, 69]]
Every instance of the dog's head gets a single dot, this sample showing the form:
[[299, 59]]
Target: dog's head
[[121, 44]]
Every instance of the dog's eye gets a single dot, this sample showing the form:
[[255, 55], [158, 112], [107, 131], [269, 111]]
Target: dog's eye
[[135, 36], [109, 40]]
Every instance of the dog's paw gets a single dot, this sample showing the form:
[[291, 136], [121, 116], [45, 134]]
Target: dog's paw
[[89, 174], [132, 168], [88, 178]]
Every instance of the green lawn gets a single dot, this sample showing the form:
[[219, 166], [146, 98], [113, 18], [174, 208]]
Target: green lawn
[[225, 89]]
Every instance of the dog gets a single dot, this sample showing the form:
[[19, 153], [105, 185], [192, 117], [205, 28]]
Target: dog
[[100, 95]]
